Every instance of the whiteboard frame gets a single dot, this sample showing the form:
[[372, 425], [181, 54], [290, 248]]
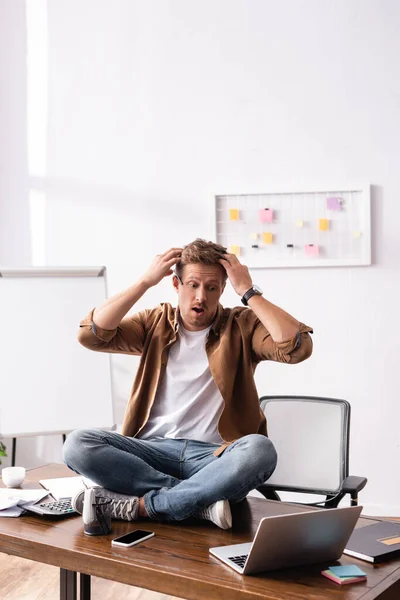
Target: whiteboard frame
[[365, 260], [55, 272], [59, 271]]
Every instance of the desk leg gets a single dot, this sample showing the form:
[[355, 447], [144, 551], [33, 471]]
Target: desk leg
[[67, 585], [84, 587]]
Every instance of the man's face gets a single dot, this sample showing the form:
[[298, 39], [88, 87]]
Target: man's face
[[199, 289]]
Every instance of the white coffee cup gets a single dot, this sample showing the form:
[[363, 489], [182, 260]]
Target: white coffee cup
[[13, 476]]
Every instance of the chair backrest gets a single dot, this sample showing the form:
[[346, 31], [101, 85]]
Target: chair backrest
[[311, 437]]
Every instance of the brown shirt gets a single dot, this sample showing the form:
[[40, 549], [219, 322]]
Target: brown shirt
[[236, 343]]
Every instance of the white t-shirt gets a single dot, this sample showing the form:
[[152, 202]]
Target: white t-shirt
[[188, 403]]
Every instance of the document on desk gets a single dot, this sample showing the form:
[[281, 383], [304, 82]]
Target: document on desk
[[66, 487], [12, 500]]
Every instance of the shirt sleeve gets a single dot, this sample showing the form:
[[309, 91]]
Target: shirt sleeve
[[291, 351], [127, 338]]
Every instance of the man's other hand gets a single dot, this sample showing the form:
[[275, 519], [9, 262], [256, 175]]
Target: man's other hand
[[162, 266], [238, 274]]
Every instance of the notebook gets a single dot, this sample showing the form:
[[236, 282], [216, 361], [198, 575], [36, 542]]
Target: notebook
[[292, 540], [375, 543], [65, 487]]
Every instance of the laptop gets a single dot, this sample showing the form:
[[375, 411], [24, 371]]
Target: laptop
[[292, 540]]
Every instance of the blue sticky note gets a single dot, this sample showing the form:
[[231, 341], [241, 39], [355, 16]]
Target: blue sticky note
[[347, 571]]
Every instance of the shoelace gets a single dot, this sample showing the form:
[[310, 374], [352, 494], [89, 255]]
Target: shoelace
[[205, 513], [124, 509]]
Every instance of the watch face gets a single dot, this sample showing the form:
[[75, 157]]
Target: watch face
[[257, 289]]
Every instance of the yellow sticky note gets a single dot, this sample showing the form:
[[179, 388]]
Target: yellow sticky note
[[323, 225], [234, 214], [234, 250], [267, 237], [299, 223], [254, 236], [357, 234]]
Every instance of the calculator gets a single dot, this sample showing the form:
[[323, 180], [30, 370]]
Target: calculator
[[54, 508]]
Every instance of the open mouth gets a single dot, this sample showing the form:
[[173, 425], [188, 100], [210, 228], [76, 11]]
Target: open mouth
[[198, 310]]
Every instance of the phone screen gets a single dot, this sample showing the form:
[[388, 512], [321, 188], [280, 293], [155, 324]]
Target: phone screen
[[133, 536]]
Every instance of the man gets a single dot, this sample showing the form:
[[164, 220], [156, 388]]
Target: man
[[193, 437]]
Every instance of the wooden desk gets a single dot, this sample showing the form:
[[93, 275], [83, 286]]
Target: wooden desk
[[176, 561]]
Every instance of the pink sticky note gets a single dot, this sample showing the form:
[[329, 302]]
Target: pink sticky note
[[333, 203], [266, 215], [311, 250]]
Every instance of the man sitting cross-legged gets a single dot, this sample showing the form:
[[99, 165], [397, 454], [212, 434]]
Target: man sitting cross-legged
[[194, 438]]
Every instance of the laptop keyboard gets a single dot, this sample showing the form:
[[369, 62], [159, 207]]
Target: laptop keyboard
[[239, 560]]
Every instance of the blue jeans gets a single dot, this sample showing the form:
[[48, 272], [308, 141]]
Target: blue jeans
[[176, 478]]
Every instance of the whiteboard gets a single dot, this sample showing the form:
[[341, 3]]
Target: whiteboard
[[327, 227], [49, 383]]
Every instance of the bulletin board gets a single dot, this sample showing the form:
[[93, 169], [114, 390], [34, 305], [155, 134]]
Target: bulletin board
[[297, 229]]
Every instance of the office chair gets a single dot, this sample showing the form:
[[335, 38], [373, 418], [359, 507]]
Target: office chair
[[311, 437]]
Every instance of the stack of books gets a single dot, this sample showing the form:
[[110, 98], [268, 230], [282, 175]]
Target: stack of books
[[345, 574]]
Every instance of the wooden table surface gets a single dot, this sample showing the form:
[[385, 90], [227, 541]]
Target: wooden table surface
[[177, 561]]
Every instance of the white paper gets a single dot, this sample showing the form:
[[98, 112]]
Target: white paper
[[66, 487], [15, 511], [8, 503], [33, 497], [13, 500], [21, 495]]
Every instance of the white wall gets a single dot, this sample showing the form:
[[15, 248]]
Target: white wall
[[14, 218], [154, 106], [15, 240]]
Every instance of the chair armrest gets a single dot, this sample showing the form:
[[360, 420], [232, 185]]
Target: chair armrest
[[353, 484]]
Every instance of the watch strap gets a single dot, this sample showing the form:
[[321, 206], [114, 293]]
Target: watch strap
[[249, 294]]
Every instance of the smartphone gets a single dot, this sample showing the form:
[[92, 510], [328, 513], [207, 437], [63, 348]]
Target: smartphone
[[132, 538]]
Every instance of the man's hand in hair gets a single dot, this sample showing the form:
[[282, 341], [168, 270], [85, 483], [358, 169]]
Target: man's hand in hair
[[161, 266], [238, 274]]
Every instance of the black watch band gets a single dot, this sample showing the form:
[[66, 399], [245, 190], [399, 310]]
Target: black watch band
[[253, 291]]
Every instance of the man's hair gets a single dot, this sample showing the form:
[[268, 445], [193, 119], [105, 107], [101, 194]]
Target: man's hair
[[203, 252]]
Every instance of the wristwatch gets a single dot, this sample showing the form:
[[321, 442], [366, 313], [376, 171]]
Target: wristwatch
[[253, 291]]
